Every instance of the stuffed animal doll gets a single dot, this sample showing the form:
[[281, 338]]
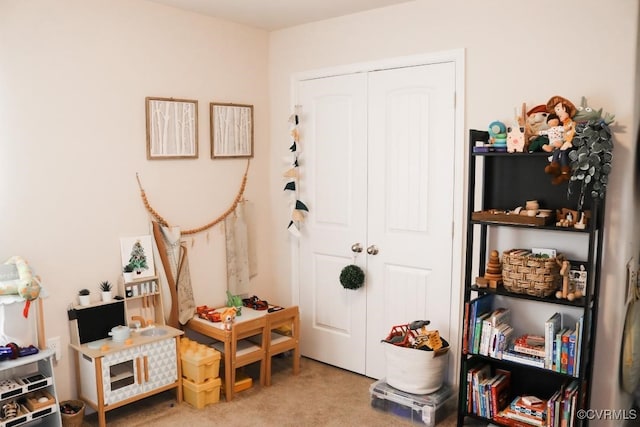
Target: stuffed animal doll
[[536, 121], [559, 166], [554, 133], [228, 316], [27, 285], [515, 139], [585, 113]]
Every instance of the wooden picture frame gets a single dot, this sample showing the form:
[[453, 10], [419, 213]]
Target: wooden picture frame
[[231, 130], [172, 128]]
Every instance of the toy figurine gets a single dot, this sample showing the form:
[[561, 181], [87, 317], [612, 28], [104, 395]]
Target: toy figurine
[[559, 166], [228, 316], [555, 134]]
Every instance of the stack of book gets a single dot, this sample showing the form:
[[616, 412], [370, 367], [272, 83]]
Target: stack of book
[[486, 330], [525, 409], [561, 406], [487, 394], [563, 345], [527, 350]]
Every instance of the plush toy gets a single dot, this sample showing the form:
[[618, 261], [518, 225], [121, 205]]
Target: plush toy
[[26, 285], [515, 139], [585, 113], [536, 121], [228, 316], [559, 167], [554, 135]]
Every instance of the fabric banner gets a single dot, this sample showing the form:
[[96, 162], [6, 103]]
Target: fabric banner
[[238, 252]]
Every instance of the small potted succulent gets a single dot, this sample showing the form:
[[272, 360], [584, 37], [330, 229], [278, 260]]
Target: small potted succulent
[[84, 296], [105, 288]]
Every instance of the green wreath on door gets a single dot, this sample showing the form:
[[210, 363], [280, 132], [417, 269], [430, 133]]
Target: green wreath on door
[[352, 277]]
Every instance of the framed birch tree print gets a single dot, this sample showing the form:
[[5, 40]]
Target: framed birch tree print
[[172, 128], [231, 130]]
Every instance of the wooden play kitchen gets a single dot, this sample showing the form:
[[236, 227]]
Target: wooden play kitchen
[[116, 365]]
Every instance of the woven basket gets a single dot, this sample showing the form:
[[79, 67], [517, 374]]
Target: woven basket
[[523, 273]]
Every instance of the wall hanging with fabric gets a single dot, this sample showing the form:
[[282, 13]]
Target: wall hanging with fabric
[[298, 208], [173, 253]]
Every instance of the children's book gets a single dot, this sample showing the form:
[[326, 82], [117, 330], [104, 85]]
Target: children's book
[[551, 328]]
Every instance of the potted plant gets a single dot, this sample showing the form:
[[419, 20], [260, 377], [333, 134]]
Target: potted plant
[[105, 288], [128, 273], [591, 159], [84, 295]]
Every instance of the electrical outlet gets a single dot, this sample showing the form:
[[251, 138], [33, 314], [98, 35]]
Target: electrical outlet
[[53, 343]]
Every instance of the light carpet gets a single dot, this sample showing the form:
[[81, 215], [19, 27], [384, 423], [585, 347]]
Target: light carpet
[[321, 395]]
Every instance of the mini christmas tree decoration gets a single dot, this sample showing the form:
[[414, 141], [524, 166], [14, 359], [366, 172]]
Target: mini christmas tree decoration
[[137, 257]]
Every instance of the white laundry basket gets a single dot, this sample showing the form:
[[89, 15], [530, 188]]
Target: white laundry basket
[[415, 371]]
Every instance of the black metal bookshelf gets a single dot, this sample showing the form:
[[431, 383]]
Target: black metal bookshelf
[[501, 180]]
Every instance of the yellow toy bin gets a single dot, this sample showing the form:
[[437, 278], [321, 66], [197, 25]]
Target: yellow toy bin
[[203, 394], [200, 364]]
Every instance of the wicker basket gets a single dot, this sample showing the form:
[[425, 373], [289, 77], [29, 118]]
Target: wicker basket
[[523, 273]]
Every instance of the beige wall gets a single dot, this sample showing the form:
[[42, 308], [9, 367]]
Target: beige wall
[[73, 78], [515, 52], [74, 74]]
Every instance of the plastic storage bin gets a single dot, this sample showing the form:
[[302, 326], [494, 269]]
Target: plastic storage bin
[[200, 363], [203, 394], [426, 409]]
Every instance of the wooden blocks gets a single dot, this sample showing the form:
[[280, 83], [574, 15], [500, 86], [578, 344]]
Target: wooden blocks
[[493, 275]]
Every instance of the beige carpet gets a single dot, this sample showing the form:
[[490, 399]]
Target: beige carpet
[[321, 395]]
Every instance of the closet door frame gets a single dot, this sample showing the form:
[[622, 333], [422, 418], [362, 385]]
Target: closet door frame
[[457, 56]]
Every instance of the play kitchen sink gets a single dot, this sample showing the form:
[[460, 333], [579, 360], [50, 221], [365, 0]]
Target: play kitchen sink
[[153, 332]]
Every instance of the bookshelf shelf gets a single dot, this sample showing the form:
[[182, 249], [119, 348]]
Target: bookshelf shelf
[[490, 385]]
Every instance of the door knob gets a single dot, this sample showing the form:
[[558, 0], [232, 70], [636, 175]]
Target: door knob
[[356, 247], [372, 250]]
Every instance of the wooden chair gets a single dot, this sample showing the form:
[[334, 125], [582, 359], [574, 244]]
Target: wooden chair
[[243, 351], [276, 343]]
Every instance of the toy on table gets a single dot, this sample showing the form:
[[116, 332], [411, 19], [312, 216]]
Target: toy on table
[[228, 316]]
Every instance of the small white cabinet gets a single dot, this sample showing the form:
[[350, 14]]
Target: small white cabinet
[[25, 380]]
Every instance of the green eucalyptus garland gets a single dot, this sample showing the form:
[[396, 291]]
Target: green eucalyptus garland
[[352, 277]]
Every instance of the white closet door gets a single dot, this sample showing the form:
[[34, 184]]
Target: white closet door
[[334, 183], [410, 207], [378, 167]]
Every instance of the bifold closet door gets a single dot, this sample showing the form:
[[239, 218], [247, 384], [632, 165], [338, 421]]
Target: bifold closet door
[[378, 177], [410, 201], [334, 185]]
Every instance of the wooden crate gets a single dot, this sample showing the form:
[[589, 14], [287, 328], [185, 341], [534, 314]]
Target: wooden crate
[[504, 218]]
